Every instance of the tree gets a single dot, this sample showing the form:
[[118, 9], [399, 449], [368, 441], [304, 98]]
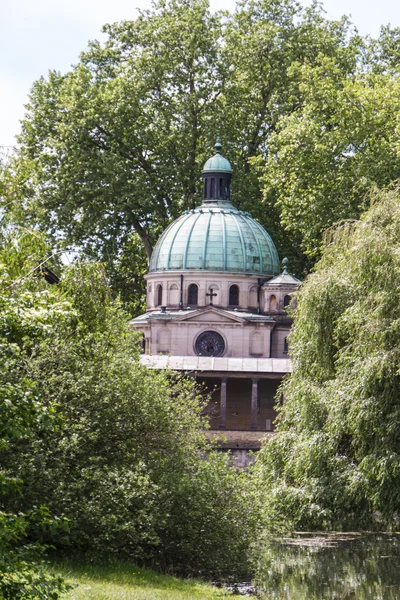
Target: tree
[[124, 459], [23, 415], [334, 462], [116, 145], [325, 157]]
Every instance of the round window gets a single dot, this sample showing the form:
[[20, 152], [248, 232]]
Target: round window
[[210, 343]]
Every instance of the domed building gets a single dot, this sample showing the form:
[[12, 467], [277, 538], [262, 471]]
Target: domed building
[[216, 303]]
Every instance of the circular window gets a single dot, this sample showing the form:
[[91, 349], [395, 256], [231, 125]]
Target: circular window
[[210, 343]]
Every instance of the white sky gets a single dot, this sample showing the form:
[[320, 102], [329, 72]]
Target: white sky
[[38, 35]]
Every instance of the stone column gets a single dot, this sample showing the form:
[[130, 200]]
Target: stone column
[[222, 404], [254, 403]]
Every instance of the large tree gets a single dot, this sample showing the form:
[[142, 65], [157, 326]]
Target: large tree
[[335, 460], [324, 158], [115, 146]]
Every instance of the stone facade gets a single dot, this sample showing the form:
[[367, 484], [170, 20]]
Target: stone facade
[[230, 305]]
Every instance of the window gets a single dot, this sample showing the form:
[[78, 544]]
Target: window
[[285, 345], [193, 294], [205, 188], [272, 303], [234, 295], [221, 188], [159, 295], [286, 301], [212, 189]]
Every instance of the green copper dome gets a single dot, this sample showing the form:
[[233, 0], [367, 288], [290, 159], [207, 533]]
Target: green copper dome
[[217, 163], [216, 239], [216, 236]]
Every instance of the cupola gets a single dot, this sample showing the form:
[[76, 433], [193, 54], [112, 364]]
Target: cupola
[[217, 174]]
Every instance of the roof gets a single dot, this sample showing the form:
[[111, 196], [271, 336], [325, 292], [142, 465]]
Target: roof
[[168, 315], [284, 279], [217, 163], [216, 238], [208, 363]]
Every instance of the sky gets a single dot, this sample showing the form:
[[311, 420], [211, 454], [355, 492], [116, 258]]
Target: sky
[[38, 35]]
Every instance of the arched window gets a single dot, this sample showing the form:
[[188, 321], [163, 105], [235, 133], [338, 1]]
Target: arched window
[[253, 296], [193, 294], [159, 295], [234, 295], [286, 301], [285, 345], [212, 189], [221, 188], [205, 188], [272, 303]]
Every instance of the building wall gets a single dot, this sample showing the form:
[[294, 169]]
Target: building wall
[[220, 282], [241, 340], [278, 346]]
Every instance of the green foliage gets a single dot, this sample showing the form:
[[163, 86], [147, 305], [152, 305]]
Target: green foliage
[[23, 414], [325, 157], [116, 145], [116, 449], [24, 573], [335, 460]]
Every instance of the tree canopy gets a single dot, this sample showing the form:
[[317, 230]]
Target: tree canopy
[[111, 151], [335, 459]]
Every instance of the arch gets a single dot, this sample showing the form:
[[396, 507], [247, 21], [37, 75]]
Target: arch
[[212, 188], [234, 295], [164, 340], [193, 295], [256, 343], [173, 295], [272, 303], [221, 188], [286, 301], [253, 296], [159, 295]]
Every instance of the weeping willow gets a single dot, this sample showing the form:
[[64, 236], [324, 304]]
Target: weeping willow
[[335, 461]]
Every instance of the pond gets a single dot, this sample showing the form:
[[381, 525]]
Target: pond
[[330, 567]]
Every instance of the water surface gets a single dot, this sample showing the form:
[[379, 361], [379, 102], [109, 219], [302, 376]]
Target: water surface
[[330, 567]]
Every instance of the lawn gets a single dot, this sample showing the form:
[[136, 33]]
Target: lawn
[[123, 581]]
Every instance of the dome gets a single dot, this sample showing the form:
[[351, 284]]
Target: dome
[[218, 238], [217, 163]]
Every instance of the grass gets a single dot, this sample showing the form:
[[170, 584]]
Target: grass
[[123, 580]]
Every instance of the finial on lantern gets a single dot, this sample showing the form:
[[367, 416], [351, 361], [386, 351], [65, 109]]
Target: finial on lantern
[[285, 265], [218, 145]]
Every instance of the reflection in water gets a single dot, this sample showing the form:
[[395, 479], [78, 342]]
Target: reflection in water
[[337, 566]]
